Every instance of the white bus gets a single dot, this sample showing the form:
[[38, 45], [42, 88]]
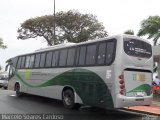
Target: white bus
[[113, 72]]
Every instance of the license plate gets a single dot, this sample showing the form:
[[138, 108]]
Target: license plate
[[139, 77], [140, 94], [140, 99]]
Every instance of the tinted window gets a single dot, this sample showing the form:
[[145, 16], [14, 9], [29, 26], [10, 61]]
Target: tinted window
[[91, 55], [19, 62], [101, 53], [37, 60], [14, 61], [137, 48], [55, 58], [82, 55], [42, 61], [77, 55], [23, 62], [110, 52], [63, 57], [31, 63], [49, 59], [27, 62], [71, 57]]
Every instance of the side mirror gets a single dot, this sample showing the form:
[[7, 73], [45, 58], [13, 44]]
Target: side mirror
[[155, 69], [6, 68]]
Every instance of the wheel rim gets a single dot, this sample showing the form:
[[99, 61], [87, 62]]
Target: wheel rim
[[67, 98]]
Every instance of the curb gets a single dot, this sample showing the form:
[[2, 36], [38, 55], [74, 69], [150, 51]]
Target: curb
[[140, 111]]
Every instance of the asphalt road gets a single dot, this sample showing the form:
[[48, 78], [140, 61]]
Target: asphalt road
[[37, 108]]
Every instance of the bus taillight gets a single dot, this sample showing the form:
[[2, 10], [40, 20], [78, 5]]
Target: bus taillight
[[121, 77], [121, 81], [121, 92], [122, 86]]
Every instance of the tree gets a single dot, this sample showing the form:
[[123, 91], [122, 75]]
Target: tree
[[0, 68], [129, 32], [2, 44], [70, 26], [151, 27]]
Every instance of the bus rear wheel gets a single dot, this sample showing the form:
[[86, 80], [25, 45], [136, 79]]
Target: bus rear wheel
[[68, 99]]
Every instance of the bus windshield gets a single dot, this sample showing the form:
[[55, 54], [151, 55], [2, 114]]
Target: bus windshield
[[137, 48]]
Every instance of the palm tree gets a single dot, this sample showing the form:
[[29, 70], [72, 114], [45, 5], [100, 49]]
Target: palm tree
[[151, 27], [129, 32], [2, 44]]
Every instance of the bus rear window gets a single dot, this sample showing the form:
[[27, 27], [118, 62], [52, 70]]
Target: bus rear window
[[137, 48]]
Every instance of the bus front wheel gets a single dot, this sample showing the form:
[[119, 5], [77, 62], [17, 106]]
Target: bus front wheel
[[68, 99], [17, 89]]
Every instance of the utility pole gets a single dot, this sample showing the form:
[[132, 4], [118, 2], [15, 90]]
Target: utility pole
[[54, 37]]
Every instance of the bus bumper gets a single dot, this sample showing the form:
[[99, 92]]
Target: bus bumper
[[124, 101]]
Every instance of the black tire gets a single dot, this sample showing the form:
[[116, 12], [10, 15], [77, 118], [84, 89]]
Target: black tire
[[5, 88], [68, 99], [17, 89]]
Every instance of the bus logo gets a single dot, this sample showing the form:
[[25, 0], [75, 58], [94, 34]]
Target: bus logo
[[27, 73]]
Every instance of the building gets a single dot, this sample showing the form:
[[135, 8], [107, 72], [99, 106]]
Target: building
[[156, 57]]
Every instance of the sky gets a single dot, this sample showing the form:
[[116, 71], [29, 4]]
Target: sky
[[117, 16]]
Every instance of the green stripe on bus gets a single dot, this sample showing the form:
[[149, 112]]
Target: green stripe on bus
[[88, 85], [145, 87]]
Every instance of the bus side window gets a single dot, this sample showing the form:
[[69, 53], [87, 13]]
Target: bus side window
[[27, 62], [91, 54], [71, 57], [63, 57], [37, 60], [14, 61], [82, 55], [110, 52], [77, 55], [19, 62], [55, 57], [101, 53], [23, 62], [49, 59], [42, 60], [31, 63]]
